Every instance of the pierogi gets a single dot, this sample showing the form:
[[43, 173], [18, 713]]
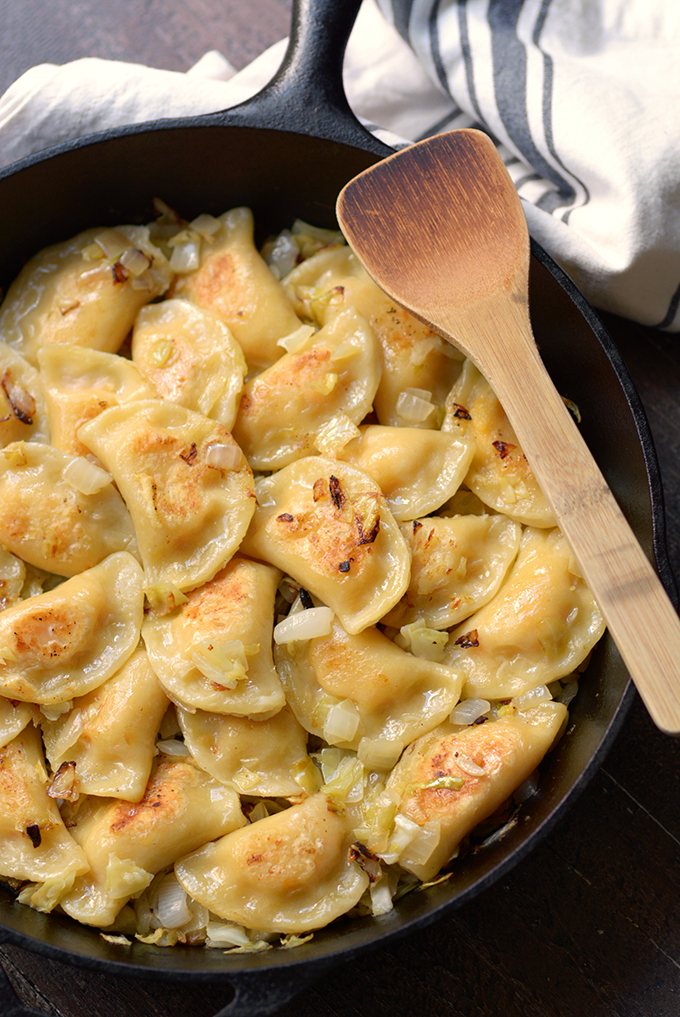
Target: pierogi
[[23, 413], [284, 615], [47, 520], [189, 512], [328, 526]]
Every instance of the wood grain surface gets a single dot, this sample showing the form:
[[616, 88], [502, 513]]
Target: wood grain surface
[[589, 924]]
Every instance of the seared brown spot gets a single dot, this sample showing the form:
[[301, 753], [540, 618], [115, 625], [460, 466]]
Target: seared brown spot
[[33, 832], [460, 412], [21, 401], [468, 639], [366, 860], [190, 456], [504, 448], [119, 272], [367, 538], [319, 489], [336, 494]]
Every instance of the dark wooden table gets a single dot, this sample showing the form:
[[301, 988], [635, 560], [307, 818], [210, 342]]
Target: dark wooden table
[[590, 923]]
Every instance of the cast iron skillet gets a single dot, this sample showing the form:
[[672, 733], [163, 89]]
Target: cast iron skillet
[[286, 153]]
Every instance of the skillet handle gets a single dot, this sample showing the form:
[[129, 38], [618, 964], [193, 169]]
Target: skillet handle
[[306, 94], [10, 1006], [262, 993]]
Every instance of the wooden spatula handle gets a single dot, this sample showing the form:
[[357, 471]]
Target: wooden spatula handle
[[639, 615]]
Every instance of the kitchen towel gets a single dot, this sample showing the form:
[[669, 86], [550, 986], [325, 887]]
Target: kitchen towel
[[582, 98]]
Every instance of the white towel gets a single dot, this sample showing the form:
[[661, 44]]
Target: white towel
[[581, 96]]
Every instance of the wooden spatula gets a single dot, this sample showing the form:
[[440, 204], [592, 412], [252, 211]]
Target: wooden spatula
[[441, 229]]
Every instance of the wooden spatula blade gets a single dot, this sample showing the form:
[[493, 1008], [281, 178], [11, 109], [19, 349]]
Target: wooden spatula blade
[[419, 207]]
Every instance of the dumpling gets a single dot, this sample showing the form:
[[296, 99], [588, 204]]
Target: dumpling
[[327, 525], [86, 290], [185, 481], [214, 652], [12, 578], [259, 757], [290, 872], [323, 385], [46, 519], [23, 415], [66, 642], [365, 693], [453, 778], [126, 844], [413, 355], [191, 358], [457, 565], [417, 470], [108, 737], [235, 282], [499, 473], [80, 384], [34, 843], [13, 719], [542, 623]]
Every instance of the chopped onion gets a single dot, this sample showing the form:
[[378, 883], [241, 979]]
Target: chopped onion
[[533, 697], [294, 340], [422, 641], [324, 385], [260, 811], [568, 692], [226, 935], [15, 454], [223, 663], [527, 789], [378, 753], [206, 225], [309, 624], [347, 784], [164, 597], [469, 766], [381, 897], [306, 774], [345, 351], [112, 243], [404, 832], [413, 408], [329, 760], [56, 710], [92, 252], [282, 254], [335, 434], [186, 257], [469, 710], [172, 747], [246, 780], [342, 722], [169, 725], [172, 909], [85, 476], [421, 846], [324, 236], [135, 261], [224, 457], [161, 352]]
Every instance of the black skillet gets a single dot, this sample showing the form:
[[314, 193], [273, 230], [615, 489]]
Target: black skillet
[[287, 153]]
